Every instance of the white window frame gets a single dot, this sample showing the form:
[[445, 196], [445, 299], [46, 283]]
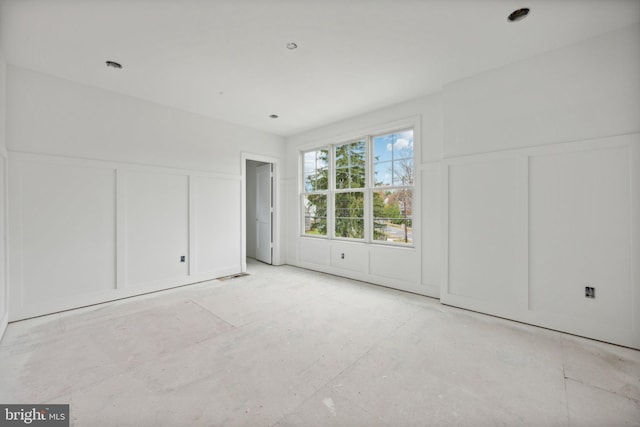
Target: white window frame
[[367, 136], [303, 193], [334, 190]]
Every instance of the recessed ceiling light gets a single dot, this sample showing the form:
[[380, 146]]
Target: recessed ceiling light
[[274, 116], [114, 64], [292, 45], [518, 15]]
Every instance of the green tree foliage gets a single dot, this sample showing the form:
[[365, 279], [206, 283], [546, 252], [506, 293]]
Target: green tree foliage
[[317, 213], [350, 214], [317, 179], [392, 212], [350, 173], [378, 212], [350, 164]]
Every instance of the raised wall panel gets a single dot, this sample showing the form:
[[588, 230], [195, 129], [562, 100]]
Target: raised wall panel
[[402, 264], [483, 242], [356, 256], [580, 235], [217, 222], [291, 220], [68, 230], [3, 266], [431, 241], [157, 233], [314, 251]]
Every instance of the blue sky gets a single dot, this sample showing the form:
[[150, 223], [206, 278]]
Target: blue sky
[[385, 148], [385, 145]]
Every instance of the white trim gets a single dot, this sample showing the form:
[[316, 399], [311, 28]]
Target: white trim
[[426, 290], [277, 258], [192, 261], [121, 230], [557, 147], [78, 301], [365, 134], [62, 160], [520, 311], [3, 324], [5, 242], [361, 132], [121, 289], [634, 160]]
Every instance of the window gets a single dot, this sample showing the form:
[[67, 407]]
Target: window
[[393, 187], [350, 167], [315, 183], [361, 190]]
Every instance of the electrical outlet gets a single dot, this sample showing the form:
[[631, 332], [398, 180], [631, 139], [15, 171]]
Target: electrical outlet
[[589, 292], [183, 258], [342, 255]]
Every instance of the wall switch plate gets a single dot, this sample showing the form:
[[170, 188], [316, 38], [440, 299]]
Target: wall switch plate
[[589, 292]]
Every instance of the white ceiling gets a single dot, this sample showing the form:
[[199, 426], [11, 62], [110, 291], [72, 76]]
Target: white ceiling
[[228, 59]]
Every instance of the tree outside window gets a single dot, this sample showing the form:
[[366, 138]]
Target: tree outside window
[[393, 187], [387, 176], [315, 183]]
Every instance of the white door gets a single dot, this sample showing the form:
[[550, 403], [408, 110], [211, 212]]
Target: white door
[[263, 213]]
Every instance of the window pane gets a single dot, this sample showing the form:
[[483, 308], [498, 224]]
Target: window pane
[[350, 163], [349, 215], [315, 214], [316, 170], [403, 172], [392, 216], [393, 159], [382, 174]]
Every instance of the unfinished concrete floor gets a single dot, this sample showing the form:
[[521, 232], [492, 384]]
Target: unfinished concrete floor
[[289, 347]]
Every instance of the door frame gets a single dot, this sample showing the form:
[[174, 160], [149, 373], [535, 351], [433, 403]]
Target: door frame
[[276, 258]]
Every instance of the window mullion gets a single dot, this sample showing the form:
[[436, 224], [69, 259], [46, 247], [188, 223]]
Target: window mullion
[[331, 185], [368, 183]]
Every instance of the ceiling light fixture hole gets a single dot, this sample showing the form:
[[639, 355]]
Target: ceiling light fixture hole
[[292, 45], [518, 15], [113, 64], [274, 116]]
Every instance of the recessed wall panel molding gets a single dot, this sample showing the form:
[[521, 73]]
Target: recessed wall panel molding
[[88, 231], [157, 226], [431, 217], [217, 221], [66, 220], [483, 230], [4, 314], [580, 236], [548, 236], [314, 251], [401, 264], [350, 256]]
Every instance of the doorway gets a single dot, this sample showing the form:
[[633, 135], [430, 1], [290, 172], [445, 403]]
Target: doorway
[[259, 210]]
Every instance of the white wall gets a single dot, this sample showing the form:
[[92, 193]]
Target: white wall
[[529, 191], [48, 115], [412, 269], [108, 192], [4, 315], [585, 91], [542, 190]]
